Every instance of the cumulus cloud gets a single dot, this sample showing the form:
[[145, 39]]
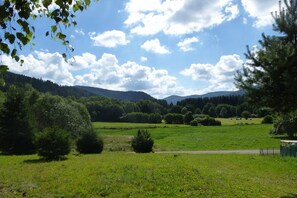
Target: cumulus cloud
[[155, 46], [79, 32], [105, 72], [110, 39], [143, 59], [260, 11], [220, 76], [185, 45], [177, 17]]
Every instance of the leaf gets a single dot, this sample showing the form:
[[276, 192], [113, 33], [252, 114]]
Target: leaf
[[13, 53], [11, 38], [46, 3], [3, 68], [54, 28], [47, 33]]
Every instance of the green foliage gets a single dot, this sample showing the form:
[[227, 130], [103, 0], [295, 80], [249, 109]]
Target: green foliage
[[66, 114], [142, 142], [246, 114], [15, 132], [16, 16], [286, 124], [270, 75], [268, 119], [188, 117], [52, 143], [208, 121], [174, 118], [139, 117], [89, 142], [194, 123]]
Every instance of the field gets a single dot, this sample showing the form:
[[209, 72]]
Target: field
[[114, 174], [126, 174], [117, 136]]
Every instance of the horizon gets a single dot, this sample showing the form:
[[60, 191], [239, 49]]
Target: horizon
[[159, 47]]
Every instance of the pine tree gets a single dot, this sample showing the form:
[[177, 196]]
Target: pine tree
[[15, 132], [270, 74]]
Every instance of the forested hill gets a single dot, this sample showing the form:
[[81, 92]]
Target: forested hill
[[174, 99], [42, 86], [134, 96], [75, 91]]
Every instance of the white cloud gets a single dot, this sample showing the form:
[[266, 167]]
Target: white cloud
[[260, 10], [143, 59], [154, 46], [109, 39], [79, 32], [177, 17], [105, 72], [185, 45], [220, 76]]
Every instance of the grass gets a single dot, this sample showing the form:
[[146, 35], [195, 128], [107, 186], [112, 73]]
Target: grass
[[117, 136], [114, 174]]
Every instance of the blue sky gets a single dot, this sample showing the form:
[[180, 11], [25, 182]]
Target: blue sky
[[161, 47]]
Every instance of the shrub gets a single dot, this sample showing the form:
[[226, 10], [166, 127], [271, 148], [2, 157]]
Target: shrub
[[208, 121], [174, 118], [89, 142], [155, 118], [188, 117], [268, 119], [142, 142], [194, 123], [52, 143]]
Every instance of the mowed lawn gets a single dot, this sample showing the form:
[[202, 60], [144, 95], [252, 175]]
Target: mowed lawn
[[114, 174], [117, 136]]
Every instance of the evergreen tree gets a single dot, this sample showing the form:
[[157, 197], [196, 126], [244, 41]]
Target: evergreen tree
[[15, 132], [270, 75]]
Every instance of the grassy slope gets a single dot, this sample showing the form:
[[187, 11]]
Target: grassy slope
[[181, 137], [149, 175]]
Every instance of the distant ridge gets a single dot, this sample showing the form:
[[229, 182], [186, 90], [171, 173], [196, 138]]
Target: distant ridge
[[134, 96], [174, 98], [65, 91]]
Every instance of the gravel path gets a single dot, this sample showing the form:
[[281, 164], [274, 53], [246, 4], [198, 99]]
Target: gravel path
[[250, 152]]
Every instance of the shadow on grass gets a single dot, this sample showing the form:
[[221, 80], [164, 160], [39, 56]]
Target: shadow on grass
[[290, 195], [42, 160], [283, 138]]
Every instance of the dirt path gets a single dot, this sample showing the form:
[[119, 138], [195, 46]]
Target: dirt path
[[250, 152]]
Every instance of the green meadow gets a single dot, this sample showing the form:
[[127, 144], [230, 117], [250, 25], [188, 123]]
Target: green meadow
[[229, 136], [118, 172], [122, 174]]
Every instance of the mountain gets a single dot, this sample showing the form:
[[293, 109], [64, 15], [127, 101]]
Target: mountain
[[134, 96], [174, 99], [65, 91], [42, 86]]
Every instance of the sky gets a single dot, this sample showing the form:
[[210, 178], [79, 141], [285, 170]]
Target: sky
[[161, 47]]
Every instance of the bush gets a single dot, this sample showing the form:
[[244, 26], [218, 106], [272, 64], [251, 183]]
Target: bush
[[142, 142], [52, 143], [208, 121], [194, 123], [174, 118], [268, 119], [89, 142], [188, 117]]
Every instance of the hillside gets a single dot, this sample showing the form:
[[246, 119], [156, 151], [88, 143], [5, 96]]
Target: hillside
[[75, 91], [174, 99], [120, 95]]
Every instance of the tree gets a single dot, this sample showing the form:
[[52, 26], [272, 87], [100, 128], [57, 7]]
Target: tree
[[89, 142], [246, 114], [15, 132], [270, 74], [188, 117], [52, 143], [142, 142], [16, 31]]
